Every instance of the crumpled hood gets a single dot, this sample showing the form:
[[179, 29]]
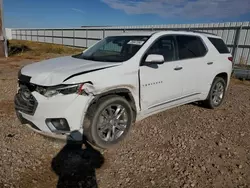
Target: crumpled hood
[[55, 71]]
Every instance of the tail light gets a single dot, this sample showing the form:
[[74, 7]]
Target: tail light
[[230, 59]]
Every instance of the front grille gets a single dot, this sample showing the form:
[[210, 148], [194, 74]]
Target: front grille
[[25, 101], [23, 78]]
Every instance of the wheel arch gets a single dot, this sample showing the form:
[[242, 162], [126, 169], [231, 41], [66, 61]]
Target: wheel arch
[[223, 75], [123, 92]]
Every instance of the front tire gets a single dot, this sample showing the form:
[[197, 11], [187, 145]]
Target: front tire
[[108, 121], [216, 94]]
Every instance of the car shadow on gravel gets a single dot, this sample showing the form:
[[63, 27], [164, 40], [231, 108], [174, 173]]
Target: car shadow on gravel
[[75, 165]]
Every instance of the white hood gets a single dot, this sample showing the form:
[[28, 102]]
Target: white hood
[[55, 71]]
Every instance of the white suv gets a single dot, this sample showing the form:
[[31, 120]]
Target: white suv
[[120, 80]]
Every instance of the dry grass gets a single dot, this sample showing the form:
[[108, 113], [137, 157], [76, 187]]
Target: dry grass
[[236, 81], [243, 63], [19, 50]]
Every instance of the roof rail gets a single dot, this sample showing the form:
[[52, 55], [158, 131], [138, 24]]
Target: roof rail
[[195, 31]]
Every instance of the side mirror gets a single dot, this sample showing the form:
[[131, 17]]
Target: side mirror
[[155, 59]]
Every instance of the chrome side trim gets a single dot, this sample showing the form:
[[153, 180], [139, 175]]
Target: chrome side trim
[[157, 105]]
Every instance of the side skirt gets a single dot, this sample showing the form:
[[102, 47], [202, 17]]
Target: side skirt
[[147, 113]]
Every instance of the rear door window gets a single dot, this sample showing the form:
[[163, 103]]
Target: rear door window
[[219, 45], [190, 47]]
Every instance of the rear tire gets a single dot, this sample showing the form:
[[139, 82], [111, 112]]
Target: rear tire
[[216, 94], [108, 121]]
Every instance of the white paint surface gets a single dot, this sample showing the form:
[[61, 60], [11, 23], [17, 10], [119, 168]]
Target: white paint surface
[[154, 89]]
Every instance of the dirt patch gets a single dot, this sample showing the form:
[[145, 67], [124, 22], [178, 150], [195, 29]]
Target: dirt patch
[[7, 108], [188, 146], [241, 82]]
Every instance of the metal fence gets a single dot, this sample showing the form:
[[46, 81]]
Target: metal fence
[[235, 34]]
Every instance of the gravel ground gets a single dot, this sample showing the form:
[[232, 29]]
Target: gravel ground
[[188, 146]]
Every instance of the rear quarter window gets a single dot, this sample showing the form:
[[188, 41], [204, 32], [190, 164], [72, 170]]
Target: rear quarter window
[[219, 45]]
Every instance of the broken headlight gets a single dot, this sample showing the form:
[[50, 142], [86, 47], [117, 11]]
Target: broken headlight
[[64, 90]]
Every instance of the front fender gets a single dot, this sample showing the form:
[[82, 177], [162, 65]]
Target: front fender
[[124, 90]]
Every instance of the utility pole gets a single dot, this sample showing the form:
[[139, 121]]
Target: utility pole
[[3, 40]]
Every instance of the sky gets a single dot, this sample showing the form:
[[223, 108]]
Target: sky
[[76, 13]]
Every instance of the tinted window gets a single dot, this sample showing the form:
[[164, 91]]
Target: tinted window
[[114, 49], [190, 47], [164, 46], [219, 45]]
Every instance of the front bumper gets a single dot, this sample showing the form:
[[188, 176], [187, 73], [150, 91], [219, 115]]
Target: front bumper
[[70, 107]]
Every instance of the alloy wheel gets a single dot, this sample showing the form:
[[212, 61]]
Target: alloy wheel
[[218, 93], [112, 122]]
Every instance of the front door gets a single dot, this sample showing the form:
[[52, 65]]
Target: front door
[[160, 84]]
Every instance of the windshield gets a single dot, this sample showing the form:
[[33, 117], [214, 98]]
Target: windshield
[[114, 49]]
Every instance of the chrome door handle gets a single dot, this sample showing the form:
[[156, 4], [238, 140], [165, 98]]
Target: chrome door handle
[[210, 63], [177, 68]]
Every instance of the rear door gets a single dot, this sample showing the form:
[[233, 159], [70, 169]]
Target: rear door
[[192, 58]]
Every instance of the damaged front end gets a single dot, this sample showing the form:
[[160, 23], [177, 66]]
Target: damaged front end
[[52, 109], [62, 90]]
